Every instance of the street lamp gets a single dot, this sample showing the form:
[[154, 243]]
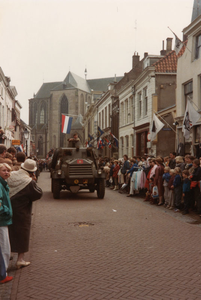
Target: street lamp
[[26, 136]]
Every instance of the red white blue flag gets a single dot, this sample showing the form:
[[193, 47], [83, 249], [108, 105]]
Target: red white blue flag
[[66, 124]]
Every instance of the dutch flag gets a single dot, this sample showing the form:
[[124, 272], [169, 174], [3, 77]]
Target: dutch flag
[[66, 124]]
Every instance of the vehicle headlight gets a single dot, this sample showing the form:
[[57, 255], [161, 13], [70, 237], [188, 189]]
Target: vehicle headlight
[[99, 171], [59, 172]]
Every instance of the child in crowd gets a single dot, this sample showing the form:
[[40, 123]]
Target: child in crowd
[[115, 175], [186, 191], [166, 161], [166, 178], [138, 159], [171, 189], [153, 197], [189, 162], [177, 186]]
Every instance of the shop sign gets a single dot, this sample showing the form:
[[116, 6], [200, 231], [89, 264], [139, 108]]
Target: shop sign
[[16, 142]]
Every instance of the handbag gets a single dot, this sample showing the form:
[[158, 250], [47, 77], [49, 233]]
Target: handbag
[[155, 192], [193, 184]]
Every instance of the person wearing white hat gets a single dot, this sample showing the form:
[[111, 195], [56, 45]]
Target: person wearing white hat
[[23, 191]]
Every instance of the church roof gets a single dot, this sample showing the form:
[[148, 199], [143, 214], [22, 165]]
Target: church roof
[[101, 84], [45, 89], [196, 9], [77, 82], [167, 64]]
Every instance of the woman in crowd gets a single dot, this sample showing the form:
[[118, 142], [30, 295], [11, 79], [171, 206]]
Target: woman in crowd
[[180, 162], [195, 178], [158, 180], [129, 173], [5, 218], [177, 186], [23, 191]]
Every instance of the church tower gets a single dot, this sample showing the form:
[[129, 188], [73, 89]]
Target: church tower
[[196, 9]]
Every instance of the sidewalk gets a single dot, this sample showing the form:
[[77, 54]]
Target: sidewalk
[[124, 249]]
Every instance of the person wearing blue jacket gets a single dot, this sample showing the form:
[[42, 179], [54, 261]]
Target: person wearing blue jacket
[[186, 191], [166, 179], [5, 217]]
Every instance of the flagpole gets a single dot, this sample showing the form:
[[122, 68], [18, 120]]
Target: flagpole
[[165, 121], [188, 98], [70, 115], [179, 39]]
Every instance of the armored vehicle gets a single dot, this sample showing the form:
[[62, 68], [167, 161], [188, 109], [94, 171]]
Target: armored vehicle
[[75, 169]]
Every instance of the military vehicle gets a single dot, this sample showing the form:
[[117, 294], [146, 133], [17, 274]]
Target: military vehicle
[[76, 168]]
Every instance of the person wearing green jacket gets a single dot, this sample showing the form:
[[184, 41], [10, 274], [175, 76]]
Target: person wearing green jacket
[[5, 217]]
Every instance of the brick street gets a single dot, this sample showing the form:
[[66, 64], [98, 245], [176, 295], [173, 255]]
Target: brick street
[[83, 248]]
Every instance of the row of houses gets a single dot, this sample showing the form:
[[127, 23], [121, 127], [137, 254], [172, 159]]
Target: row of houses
[[160, 84], [124, 106], [13, 131]]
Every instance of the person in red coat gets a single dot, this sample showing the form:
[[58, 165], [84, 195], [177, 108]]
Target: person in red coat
[[115, 174], [158, 180]]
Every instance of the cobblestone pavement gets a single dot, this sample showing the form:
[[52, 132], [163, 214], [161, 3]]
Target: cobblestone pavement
[[83, 248]]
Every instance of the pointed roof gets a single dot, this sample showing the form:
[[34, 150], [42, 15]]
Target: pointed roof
[[44, 91], [77, 82], [167, 64], [196, 9]]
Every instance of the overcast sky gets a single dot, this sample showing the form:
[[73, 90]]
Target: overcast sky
[[41, 40]]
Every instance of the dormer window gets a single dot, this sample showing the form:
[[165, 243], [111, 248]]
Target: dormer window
[[198, 47]]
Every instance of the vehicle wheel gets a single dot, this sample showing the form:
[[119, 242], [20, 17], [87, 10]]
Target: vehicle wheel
[[56, 187], [101, 188]]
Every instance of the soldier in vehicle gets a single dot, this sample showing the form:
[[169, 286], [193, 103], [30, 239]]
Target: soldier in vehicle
[[74, 141]]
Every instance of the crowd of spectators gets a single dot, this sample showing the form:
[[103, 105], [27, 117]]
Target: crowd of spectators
[[18, 189], [172, 181]]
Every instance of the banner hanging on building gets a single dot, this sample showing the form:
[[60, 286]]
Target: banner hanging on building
[[191, 117], [156, 126]]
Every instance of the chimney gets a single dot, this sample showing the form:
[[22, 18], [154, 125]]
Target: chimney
[[163, 52], [169, 44], [135, 60], [145, 54]]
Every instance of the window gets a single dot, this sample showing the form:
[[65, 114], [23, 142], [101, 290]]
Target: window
[[139, 105], [42, 116], [127, 143], [105, 117], [131, 109], [99, 119], [126, 111], [145, 101], [122, 114], [188, 91], [109, 112], [35, 113], [82, 104], [122, 146], [198, 46]]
